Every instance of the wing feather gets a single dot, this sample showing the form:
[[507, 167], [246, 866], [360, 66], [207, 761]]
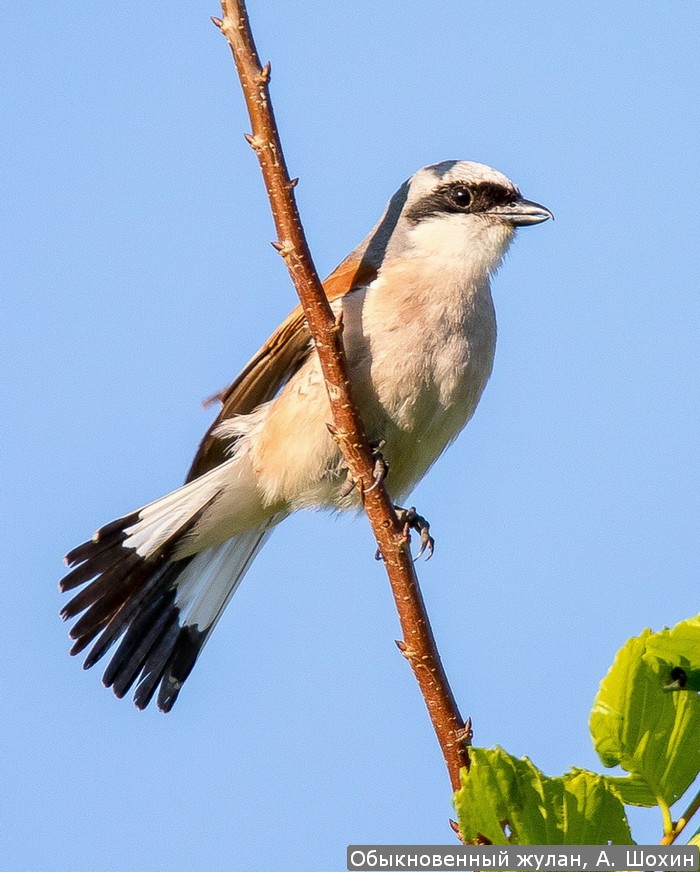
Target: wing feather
[[273, 365]]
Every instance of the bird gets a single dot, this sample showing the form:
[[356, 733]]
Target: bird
[[419, 333]]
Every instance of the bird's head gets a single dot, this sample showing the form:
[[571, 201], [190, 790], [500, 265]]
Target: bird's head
[[454, 210]]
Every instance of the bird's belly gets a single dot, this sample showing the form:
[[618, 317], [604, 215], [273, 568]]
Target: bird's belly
[[415, 388], [419, 422]]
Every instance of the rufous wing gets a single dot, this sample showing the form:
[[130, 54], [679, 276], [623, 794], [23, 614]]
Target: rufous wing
[[273, 365]]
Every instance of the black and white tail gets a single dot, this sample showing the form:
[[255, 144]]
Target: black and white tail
[[162, 607]]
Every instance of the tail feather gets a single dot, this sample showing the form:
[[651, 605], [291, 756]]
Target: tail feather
[[143, 635], [203, 593], [161, 608], [97, 554], [105, 589], [87, 636], [152, 616], [189, 645], [120, 620], [110, 590], [152, 673], [174, 621]]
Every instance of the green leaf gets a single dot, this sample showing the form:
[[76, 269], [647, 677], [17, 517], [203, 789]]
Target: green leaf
[[635, 723], [632, 790], [680, 643], [679, 647], [510, 801]]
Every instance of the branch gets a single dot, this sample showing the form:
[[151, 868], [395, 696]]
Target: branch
[[392, 537]]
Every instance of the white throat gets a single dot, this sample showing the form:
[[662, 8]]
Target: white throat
[[471, 247]]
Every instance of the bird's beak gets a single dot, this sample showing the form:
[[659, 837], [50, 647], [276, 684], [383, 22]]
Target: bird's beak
[[522, 213]]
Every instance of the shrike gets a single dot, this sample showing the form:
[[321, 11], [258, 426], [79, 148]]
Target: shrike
[[419, 333]]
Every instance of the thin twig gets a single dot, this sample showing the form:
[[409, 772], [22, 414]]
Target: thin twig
[[670, 837], [419, 643]]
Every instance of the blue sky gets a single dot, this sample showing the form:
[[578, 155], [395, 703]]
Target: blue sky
[[138, 279]]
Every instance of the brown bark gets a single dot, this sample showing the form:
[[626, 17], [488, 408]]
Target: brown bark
[[418, 645]]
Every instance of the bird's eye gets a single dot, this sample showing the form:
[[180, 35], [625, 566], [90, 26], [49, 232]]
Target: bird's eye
[[461, 196]]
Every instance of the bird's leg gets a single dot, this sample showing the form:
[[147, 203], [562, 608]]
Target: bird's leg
[[413, 521], [379, 473]]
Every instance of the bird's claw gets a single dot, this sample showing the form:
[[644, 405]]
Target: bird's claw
[[411, 520], [347, 487], [380, 471], [381, 467]]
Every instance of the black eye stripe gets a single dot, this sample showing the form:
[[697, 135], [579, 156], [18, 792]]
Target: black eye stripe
[[462, 198]]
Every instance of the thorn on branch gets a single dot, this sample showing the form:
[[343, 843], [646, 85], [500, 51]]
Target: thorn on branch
[[255, 142], [265, 73], [402, 646], [340, 437], [217, 21], [454, 826], [466, 735], [293, 182], [283, 248]]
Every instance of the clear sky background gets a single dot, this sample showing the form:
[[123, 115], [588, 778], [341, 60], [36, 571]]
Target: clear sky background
[[138, 279]]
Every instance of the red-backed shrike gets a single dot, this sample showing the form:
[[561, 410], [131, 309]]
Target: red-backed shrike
[[419, 333]]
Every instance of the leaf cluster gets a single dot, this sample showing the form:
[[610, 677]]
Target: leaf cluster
[[645, 719]]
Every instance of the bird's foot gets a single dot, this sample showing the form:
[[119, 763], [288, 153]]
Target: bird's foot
[[411, 520], [381, 467], [379, 472]]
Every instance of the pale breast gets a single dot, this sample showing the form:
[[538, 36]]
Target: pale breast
[[420, 362]]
